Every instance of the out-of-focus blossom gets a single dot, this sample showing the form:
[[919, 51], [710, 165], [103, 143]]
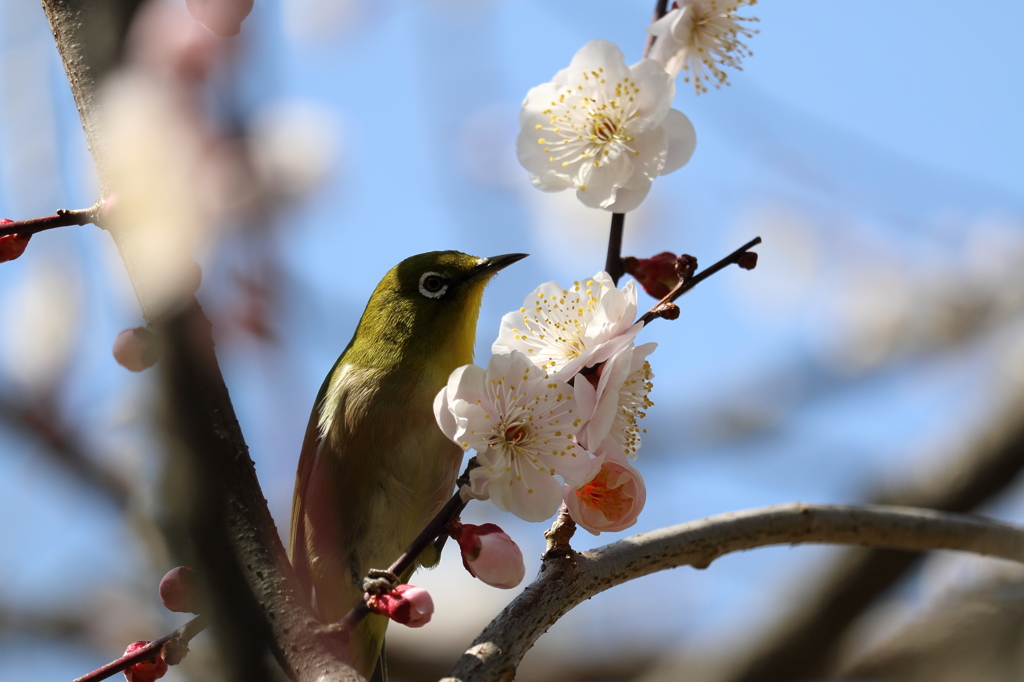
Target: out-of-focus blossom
[[40, 325], [169, 44], [603, 129], [615, 400], [293, 147], [145, 671], [611, 501], [179, 590], [405, 604], [135, 349], [223, 17], [12, 245], [657, 274], [522, 425], [488, 553], [701, 37], [564, 330]]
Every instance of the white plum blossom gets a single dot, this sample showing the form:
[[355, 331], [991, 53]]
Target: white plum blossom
[[701, 37], [565, 330], [523, 427], [603, 129], [616, 397], [609, 502]]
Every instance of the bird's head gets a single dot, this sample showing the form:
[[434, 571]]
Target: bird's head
[[425, 311]]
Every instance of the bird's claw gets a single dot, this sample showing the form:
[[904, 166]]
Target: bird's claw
[[378, 581]]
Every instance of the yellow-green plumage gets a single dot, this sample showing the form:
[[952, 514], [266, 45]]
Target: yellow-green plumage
[[375, 467]]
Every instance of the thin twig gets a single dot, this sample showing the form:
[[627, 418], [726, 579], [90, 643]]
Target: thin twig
[[562, 585], [613, 261], [62, 218], [437, 527], [686, 284], [151, 651]]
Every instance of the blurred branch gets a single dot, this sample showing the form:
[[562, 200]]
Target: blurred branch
[[64, 447], [804, 643], [566, 581], [257, 604], [62, 218]]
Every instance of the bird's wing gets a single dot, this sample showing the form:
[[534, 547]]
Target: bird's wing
[[297, 551]]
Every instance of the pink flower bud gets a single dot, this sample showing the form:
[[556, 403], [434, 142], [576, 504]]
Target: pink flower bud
[[179, 590], [135, 350], [145, 671], [611, 501], [489, 554], [657, 274], [12, 245], [406, 604], [223, 17]]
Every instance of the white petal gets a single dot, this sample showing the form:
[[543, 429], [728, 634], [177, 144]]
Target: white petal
[[648, 163], [682, 140], [545, 174], [443, 415], [657, 90], [603, 181], [534, 498], [599, 54], [537, 100]]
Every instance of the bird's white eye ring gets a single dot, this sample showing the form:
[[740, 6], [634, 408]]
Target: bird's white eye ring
[[433, 285]]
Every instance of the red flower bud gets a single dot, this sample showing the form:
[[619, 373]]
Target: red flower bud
[[180, 590], [12, 245], [135, 349], [406, 604], [657, 274], [145, 671], [489, 554]]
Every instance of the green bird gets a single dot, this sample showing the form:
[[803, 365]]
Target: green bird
[[374, 467]]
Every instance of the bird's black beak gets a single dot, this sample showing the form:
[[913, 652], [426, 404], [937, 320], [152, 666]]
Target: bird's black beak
[[489, 266]]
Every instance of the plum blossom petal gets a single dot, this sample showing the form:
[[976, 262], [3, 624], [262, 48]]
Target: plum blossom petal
[[702, 37], [611, 501], [583, 129], [564, 330], [682, 141], [489, 554], [615, 396], [523, 426]]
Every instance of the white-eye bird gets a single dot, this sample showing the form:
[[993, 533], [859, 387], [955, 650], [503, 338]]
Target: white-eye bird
[[374, 467]]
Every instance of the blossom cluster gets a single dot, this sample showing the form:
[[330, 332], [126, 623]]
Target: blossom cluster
[[561, 398]]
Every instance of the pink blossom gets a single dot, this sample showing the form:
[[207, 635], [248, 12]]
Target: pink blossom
[[489, 554], [406, 604], [610, 502]]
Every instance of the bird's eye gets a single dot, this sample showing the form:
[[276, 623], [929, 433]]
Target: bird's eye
[[433, 285]]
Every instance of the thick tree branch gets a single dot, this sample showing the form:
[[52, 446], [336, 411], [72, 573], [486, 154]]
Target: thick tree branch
[[563, 583], [803, 644], [222, 518]]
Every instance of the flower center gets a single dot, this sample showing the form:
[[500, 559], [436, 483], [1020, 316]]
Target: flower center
[[612, 502]]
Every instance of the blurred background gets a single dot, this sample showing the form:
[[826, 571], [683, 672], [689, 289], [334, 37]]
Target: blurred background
[[875, 354]]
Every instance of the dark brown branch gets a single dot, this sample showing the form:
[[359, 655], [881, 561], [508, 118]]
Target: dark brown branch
[[660, 9], [223, 520], [182, 635], [567, 581], [741, 256], [62, 218], [613, 261]]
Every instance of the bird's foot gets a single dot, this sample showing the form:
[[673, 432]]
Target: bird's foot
[[378, 581]]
